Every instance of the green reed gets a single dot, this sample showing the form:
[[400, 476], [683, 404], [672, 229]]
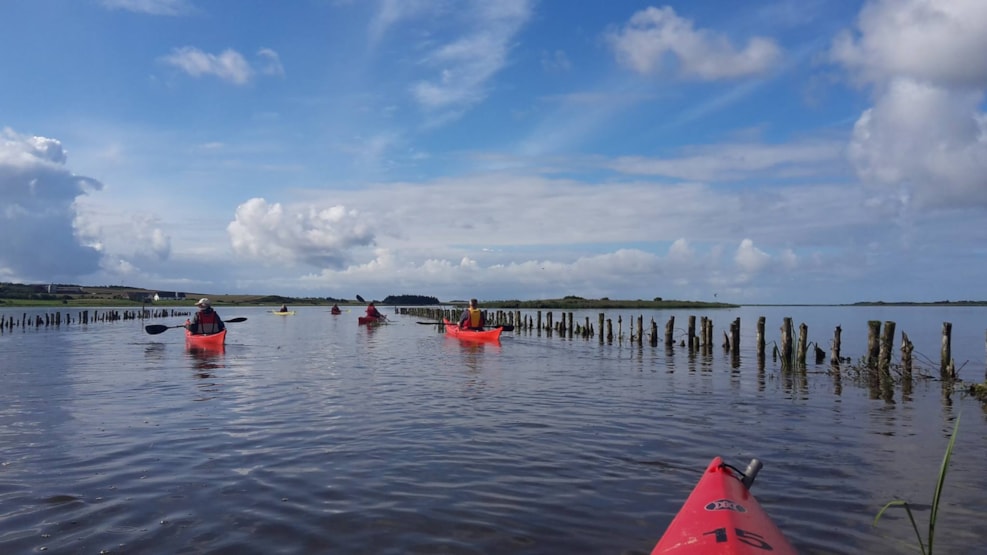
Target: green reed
[[934, 513]]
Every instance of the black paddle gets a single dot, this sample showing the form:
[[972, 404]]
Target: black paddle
[[155, 329], [507, 327], [359, 298]]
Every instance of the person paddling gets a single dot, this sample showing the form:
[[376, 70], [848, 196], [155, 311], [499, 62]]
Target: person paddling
[[472, 318], [206, 320], [372, 312]]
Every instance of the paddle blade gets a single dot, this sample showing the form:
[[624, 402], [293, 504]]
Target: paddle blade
[[359, 298], [155, 329], [235, 320]]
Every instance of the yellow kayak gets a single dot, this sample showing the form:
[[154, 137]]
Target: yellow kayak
[[280, 313]]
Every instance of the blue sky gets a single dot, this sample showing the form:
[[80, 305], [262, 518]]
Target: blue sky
[[791, 151]]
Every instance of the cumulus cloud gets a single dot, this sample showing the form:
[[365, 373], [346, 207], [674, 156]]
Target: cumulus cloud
[[229, 65], [320, 237], [37, 233], [655, 36], [925, 138], [751, 259]]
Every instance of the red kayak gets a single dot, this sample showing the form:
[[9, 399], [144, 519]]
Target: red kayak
[[721, 516], [492, 334], [214, 341], [370, 320]]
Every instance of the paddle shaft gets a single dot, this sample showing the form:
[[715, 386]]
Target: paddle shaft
[[155, 329]]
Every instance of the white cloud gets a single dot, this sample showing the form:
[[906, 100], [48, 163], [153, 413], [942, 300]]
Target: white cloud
[[37, 233], [653, 35], [464, 66], [270, 63], [751, 259], [925, 138], [317, 236], [935, 41], [151, 7], [736, 161], [229, 65]]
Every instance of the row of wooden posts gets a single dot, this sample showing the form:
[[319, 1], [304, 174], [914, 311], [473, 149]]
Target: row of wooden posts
[[793, 351], [85, 316]]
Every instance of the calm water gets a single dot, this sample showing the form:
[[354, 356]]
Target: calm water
[[311, 434]]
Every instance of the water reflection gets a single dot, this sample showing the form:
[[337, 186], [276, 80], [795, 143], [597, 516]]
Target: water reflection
[[206, 359]]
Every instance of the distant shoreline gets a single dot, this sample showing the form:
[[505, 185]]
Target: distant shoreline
[[39, 295]]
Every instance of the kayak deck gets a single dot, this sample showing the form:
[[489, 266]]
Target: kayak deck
[[721, 516], [205, 341], [472, 335]]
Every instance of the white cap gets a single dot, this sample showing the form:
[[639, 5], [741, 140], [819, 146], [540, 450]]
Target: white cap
[[203, 302]]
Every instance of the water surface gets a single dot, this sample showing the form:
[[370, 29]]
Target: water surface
[[312, 434]]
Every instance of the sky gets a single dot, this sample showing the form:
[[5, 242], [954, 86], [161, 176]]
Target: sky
[[770, 151]]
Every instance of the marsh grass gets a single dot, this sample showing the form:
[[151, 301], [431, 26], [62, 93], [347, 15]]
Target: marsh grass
[[926, 548]]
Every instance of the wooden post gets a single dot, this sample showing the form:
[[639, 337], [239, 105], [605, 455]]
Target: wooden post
[[735, 335], [786, 343], [570, 325], [834, 357], [873, 342], [906, 357], [803, 344], [760, 337], [670, 332], [887, 343], [609, 330], [692, 333], [601, 327], [946, 355], [654, 333], [640, 329]]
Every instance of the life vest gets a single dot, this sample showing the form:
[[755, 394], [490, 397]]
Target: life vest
[[208, 322], [476, 318]]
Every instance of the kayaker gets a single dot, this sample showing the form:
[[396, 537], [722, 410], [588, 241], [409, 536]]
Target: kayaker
[[206, 320], [372, 311], [472, 317], [284, 308], [335, 309]]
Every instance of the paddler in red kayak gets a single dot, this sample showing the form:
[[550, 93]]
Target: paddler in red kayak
[[372, 312], [472, 317], [206, 320]]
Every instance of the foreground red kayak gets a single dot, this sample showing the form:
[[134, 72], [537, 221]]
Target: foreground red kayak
[[721, 516], [205, 341], [370, 320], [454, 330]]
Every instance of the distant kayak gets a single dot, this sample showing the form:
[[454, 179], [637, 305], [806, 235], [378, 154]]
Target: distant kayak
[[283, 313], [722, 517], [492, 334], [214, 341], [336, 311]]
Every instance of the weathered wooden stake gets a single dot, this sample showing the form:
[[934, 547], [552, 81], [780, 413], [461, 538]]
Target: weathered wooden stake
[[873, 342], [887, 343], [834, 357]]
